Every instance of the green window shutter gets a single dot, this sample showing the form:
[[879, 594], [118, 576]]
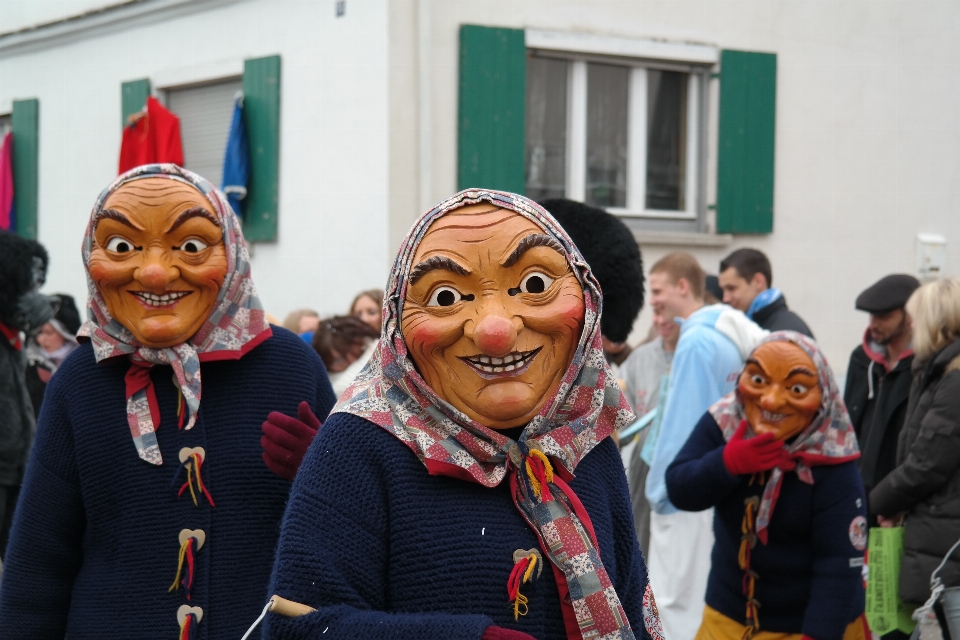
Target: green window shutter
[[133, 96], [748, 111], [25, 124], [493, 86], [261, 116]]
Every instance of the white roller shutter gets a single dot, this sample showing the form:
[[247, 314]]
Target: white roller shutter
[[205, 112]]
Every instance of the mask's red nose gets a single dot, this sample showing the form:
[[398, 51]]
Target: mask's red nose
[[495, 336]]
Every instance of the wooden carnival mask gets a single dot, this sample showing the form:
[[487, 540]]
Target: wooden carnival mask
[[780, 389], [158, 259], [492, 315]]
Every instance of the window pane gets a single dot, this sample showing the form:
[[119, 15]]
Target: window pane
[[607, 91], [666, 140], [205, 114], [546, 128]]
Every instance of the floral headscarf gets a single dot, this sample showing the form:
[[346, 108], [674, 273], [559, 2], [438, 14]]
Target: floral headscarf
[[829, 439], [236, 325], [587, 407]]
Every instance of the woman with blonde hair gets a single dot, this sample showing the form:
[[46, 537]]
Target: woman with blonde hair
[[302, 321], [924, 489]]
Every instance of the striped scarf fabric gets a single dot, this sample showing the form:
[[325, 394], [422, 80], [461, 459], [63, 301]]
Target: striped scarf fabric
[[237, 324], [829, 439], [586, 408]]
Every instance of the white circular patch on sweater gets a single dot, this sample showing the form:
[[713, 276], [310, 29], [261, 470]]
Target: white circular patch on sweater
[[858, 533]]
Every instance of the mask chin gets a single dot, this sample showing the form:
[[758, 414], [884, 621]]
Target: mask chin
[[33, 310]]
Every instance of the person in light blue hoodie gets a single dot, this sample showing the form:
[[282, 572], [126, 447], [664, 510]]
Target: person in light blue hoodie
[[714, 341]]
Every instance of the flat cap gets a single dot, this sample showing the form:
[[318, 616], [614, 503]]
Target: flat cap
[[889, 293]]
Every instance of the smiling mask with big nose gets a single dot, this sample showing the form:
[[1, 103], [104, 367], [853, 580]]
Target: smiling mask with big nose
[[492, 314], [158, 259], [780, 389]]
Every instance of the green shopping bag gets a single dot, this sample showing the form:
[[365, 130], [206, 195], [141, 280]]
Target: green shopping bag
[[885, 612]]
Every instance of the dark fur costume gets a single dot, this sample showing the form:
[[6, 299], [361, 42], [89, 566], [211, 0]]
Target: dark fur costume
[[17, 273], [612, 253], [19, 276]]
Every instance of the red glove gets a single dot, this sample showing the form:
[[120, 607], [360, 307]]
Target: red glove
[[499, 633], [743, 457], [285, 440]]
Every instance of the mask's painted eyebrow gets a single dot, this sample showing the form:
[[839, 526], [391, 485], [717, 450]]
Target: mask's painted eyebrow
[[805, 370], [112, 214], [531, 241], [193, 212], [436, 262], [755, 362]]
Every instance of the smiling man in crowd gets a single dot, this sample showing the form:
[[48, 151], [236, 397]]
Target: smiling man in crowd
[[714, 340]]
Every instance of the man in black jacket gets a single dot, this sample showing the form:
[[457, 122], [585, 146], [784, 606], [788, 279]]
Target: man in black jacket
[[747, 282], [878, 377]]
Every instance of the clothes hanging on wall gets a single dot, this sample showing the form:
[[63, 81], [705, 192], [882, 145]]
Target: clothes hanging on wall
[[152, 138], [8, 220], [236, 159]]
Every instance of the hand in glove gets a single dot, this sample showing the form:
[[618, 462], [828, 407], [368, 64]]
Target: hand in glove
[[742, 456], [285, 440]]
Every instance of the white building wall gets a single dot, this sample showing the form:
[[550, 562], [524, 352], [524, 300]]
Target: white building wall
[[333, 132], [867, 142]]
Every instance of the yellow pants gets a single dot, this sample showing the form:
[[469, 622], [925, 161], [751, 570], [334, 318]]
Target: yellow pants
[[716, 626]]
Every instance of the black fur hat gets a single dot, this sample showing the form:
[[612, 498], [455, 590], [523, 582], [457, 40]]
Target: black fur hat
[[19, 272], [613, 255]]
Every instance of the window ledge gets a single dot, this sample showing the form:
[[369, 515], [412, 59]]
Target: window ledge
[[681, 239]]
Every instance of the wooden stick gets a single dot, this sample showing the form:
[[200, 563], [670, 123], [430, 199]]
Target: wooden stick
[[289, 608]]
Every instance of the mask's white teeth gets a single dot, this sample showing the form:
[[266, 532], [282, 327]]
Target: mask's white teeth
[[508, 359], [487, 369], [485, 359], [510, 367], [497, 362]]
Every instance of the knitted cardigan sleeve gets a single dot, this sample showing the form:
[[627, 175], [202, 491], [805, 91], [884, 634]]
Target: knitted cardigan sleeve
[[325, 396], [697, 479], [333, 552], [36, 587]]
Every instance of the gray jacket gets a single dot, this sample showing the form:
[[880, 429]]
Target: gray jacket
[[926, 482]]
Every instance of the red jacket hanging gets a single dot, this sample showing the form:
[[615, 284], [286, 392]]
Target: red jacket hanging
[[155, 137]]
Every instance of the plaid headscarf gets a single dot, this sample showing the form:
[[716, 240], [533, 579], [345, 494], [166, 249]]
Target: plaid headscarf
[[586, 408], [829, 439], [236, 325]]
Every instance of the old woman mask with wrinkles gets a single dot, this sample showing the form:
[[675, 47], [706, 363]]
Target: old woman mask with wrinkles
[[493, 314], [158, 259]]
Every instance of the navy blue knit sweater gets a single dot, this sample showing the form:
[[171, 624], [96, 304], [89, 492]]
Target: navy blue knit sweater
[[94, 546], [383, 550], [809, 570]]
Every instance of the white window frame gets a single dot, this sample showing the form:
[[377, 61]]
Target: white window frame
[[640, 55]]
